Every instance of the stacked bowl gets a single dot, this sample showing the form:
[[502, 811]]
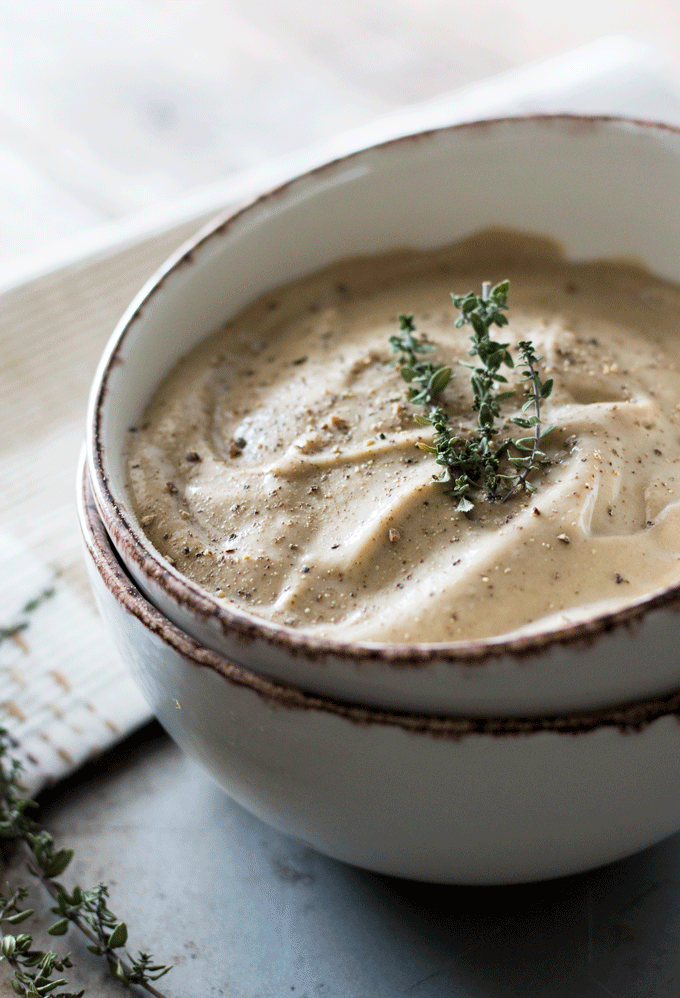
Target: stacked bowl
[[481, 762]]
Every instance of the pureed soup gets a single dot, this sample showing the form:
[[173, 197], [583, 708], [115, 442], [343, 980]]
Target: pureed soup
[[277, 465]]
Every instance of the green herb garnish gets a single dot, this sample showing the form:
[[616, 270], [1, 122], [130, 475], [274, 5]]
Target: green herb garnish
[[12, 630], [35, 969], [477, 463], [425, 380]]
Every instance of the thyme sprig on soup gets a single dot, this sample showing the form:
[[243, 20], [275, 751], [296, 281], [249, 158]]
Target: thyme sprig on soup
[[476, 463]]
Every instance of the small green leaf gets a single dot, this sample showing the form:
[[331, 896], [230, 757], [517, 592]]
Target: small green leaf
[[45, 989], [546, 388], [464, 505], [418, 398], [440, 380], [58, 863], [119, 936], [9, 944], [118, 972], [20, 916], [59, 928], [162, 971]]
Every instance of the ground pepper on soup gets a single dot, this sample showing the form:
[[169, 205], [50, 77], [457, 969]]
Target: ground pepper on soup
[[277, 464]]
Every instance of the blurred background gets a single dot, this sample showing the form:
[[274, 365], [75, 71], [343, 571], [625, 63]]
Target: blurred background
[[109, 107]]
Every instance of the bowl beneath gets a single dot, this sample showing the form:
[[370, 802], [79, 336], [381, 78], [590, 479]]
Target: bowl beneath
[[449, 799]]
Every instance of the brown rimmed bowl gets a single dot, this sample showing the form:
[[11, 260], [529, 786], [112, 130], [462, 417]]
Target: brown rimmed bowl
[[601, 187], [464, 800]]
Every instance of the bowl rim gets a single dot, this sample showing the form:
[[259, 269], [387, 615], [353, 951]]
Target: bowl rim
[[629, 717], [133, 546]]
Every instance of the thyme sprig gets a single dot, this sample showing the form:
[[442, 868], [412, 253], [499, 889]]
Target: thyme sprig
[[33, 969], [532, 456], [12, 630], [87, 910], [474, 463], [431, 379]]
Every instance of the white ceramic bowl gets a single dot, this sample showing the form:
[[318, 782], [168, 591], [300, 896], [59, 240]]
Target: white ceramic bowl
[[453, 800], [602, 188]]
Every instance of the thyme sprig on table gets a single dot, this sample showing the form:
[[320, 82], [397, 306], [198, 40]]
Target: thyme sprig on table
[[10, 631], [476, 462], [87, 910]]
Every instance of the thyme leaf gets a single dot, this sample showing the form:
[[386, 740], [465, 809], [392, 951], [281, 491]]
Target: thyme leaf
[[477, 463]]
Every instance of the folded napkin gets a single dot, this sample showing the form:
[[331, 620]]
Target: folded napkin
[[64, 694]]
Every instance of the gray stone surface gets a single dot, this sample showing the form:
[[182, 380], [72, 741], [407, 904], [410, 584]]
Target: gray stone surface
[[244, 911]]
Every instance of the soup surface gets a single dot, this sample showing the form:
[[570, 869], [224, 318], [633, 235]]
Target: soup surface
[[277, 464]]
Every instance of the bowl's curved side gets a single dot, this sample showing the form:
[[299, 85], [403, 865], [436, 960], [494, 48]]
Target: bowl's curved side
[[502, 172], [433, 798]]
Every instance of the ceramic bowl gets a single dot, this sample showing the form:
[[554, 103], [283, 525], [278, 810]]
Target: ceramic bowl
[[602, 188], [453, 800]]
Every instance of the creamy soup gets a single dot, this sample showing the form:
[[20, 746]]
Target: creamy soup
[[277, 464]]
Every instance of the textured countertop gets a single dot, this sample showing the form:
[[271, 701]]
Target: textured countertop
[[246, 912]]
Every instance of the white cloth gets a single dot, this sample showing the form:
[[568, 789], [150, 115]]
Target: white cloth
[[64, 694]]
